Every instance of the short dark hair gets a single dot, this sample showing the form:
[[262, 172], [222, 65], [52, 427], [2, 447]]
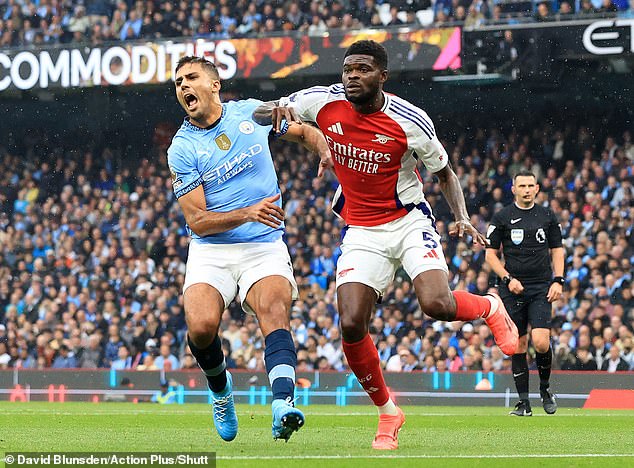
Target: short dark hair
[[524, 173], [368, 47], [208, 66]]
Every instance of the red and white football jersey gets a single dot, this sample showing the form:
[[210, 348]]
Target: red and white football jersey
[[374, 154]]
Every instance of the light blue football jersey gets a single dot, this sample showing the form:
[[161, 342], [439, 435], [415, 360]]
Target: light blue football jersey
[[232, 161]]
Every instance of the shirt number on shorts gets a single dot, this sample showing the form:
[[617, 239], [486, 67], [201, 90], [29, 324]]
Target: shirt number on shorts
[[430, 241]]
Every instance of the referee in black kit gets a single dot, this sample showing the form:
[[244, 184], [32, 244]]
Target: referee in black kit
[[530, 237]]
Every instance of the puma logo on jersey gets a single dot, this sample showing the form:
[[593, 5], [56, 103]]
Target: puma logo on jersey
[[383, 139], [336, 128]]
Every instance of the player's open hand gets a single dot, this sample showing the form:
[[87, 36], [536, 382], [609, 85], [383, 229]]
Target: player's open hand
[[281, 113], [464, 228], [325, 163], [266, 212], [554, 292]]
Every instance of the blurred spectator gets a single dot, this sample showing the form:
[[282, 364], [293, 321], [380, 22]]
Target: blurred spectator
[[166, 360], [64, 359], [92, 255], [79, 24], [123, 361], [585, 361], [99, 21], [164, 396], [615, 363], [543, 13], [566, 11]]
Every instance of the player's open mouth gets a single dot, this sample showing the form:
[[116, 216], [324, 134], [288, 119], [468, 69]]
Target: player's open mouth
[[190, 100]]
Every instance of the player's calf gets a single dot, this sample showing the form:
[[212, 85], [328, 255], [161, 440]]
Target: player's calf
[[281, 359]]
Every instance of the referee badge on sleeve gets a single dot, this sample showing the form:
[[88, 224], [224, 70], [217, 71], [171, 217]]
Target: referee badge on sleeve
[[490, 230], [517, 236]]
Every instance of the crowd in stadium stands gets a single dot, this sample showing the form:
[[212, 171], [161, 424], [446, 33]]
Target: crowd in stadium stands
[[93, 253], [26, 22]]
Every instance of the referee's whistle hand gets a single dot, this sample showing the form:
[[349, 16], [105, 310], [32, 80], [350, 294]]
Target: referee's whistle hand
[[516, 286], [554, 292]]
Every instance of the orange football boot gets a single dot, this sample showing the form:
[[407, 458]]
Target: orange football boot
[[387, 434]]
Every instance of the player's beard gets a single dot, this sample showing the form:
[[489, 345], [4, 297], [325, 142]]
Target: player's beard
[[363, 98]]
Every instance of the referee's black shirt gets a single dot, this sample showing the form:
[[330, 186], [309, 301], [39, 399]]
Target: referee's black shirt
[[526, 237]]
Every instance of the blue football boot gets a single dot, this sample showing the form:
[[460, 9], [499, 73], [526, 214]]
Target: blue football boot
[[225, 417], [286, 419]]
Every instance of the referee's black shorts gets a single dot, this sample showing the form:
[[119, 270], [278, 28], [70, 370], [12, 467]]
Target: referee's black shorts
[[530, 307]]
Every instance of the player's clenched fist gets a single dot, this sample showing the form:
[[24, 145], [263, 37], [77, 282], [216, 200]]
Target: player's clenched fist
[[266, 212]]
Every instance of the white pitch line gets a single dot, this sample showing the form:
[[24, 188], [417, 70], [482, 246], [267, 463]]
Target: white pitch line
[[308, 413], [363, 457]]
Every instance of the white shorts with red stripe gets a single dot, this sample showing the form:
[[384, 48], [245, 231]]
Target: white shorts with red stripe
[[371, 255]]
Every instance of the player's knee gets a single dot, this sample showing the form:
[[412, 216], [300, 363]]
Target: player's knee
[[202, 331], [439, 308], [273, 314], [541, 346], [352, 330]]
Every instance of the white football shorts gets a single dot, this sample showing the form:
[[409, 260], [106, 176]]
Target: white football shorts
[[233, 268], [371, 255]]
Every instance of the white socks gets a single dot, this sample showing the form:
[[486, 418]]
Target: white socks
[[388, 408], [494, 306]]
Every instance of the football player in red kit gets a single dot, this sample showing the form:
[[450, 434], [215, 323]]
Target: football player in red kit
[[376, 140]]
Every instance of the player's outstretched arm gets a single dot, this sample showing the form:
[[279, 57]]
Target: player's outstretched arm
[[271, 113], [313, 140], [450, 186], [205, 223]]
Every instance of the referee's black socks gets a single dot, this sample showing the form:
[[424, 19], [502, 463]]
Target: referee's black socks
[[544, 363], [519, 365]]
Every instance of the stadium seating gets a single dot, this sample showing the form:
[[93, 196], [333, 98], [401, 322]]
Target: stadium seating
[[93, 252], [33, 23]]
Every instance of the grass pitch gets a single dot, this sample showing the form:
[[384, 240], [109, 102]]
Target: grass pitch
[[333, 436]]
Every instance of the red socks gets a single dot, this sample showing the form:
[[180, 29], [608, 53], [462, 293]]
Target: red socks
[[363, 359], [471, 307]]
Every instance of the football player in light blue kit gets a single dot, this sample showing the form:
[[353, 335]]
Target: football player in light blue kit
[[225, 182]]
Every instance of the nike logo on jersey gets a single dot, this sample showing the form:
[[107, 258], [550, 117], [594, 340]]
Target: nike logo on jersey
[[513, 221], [517, 375], [383, 139], [336, 128]]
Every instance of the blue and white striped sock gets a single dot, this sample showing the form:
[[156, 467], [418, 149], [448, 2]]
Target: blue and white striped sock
[[280, 358]]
